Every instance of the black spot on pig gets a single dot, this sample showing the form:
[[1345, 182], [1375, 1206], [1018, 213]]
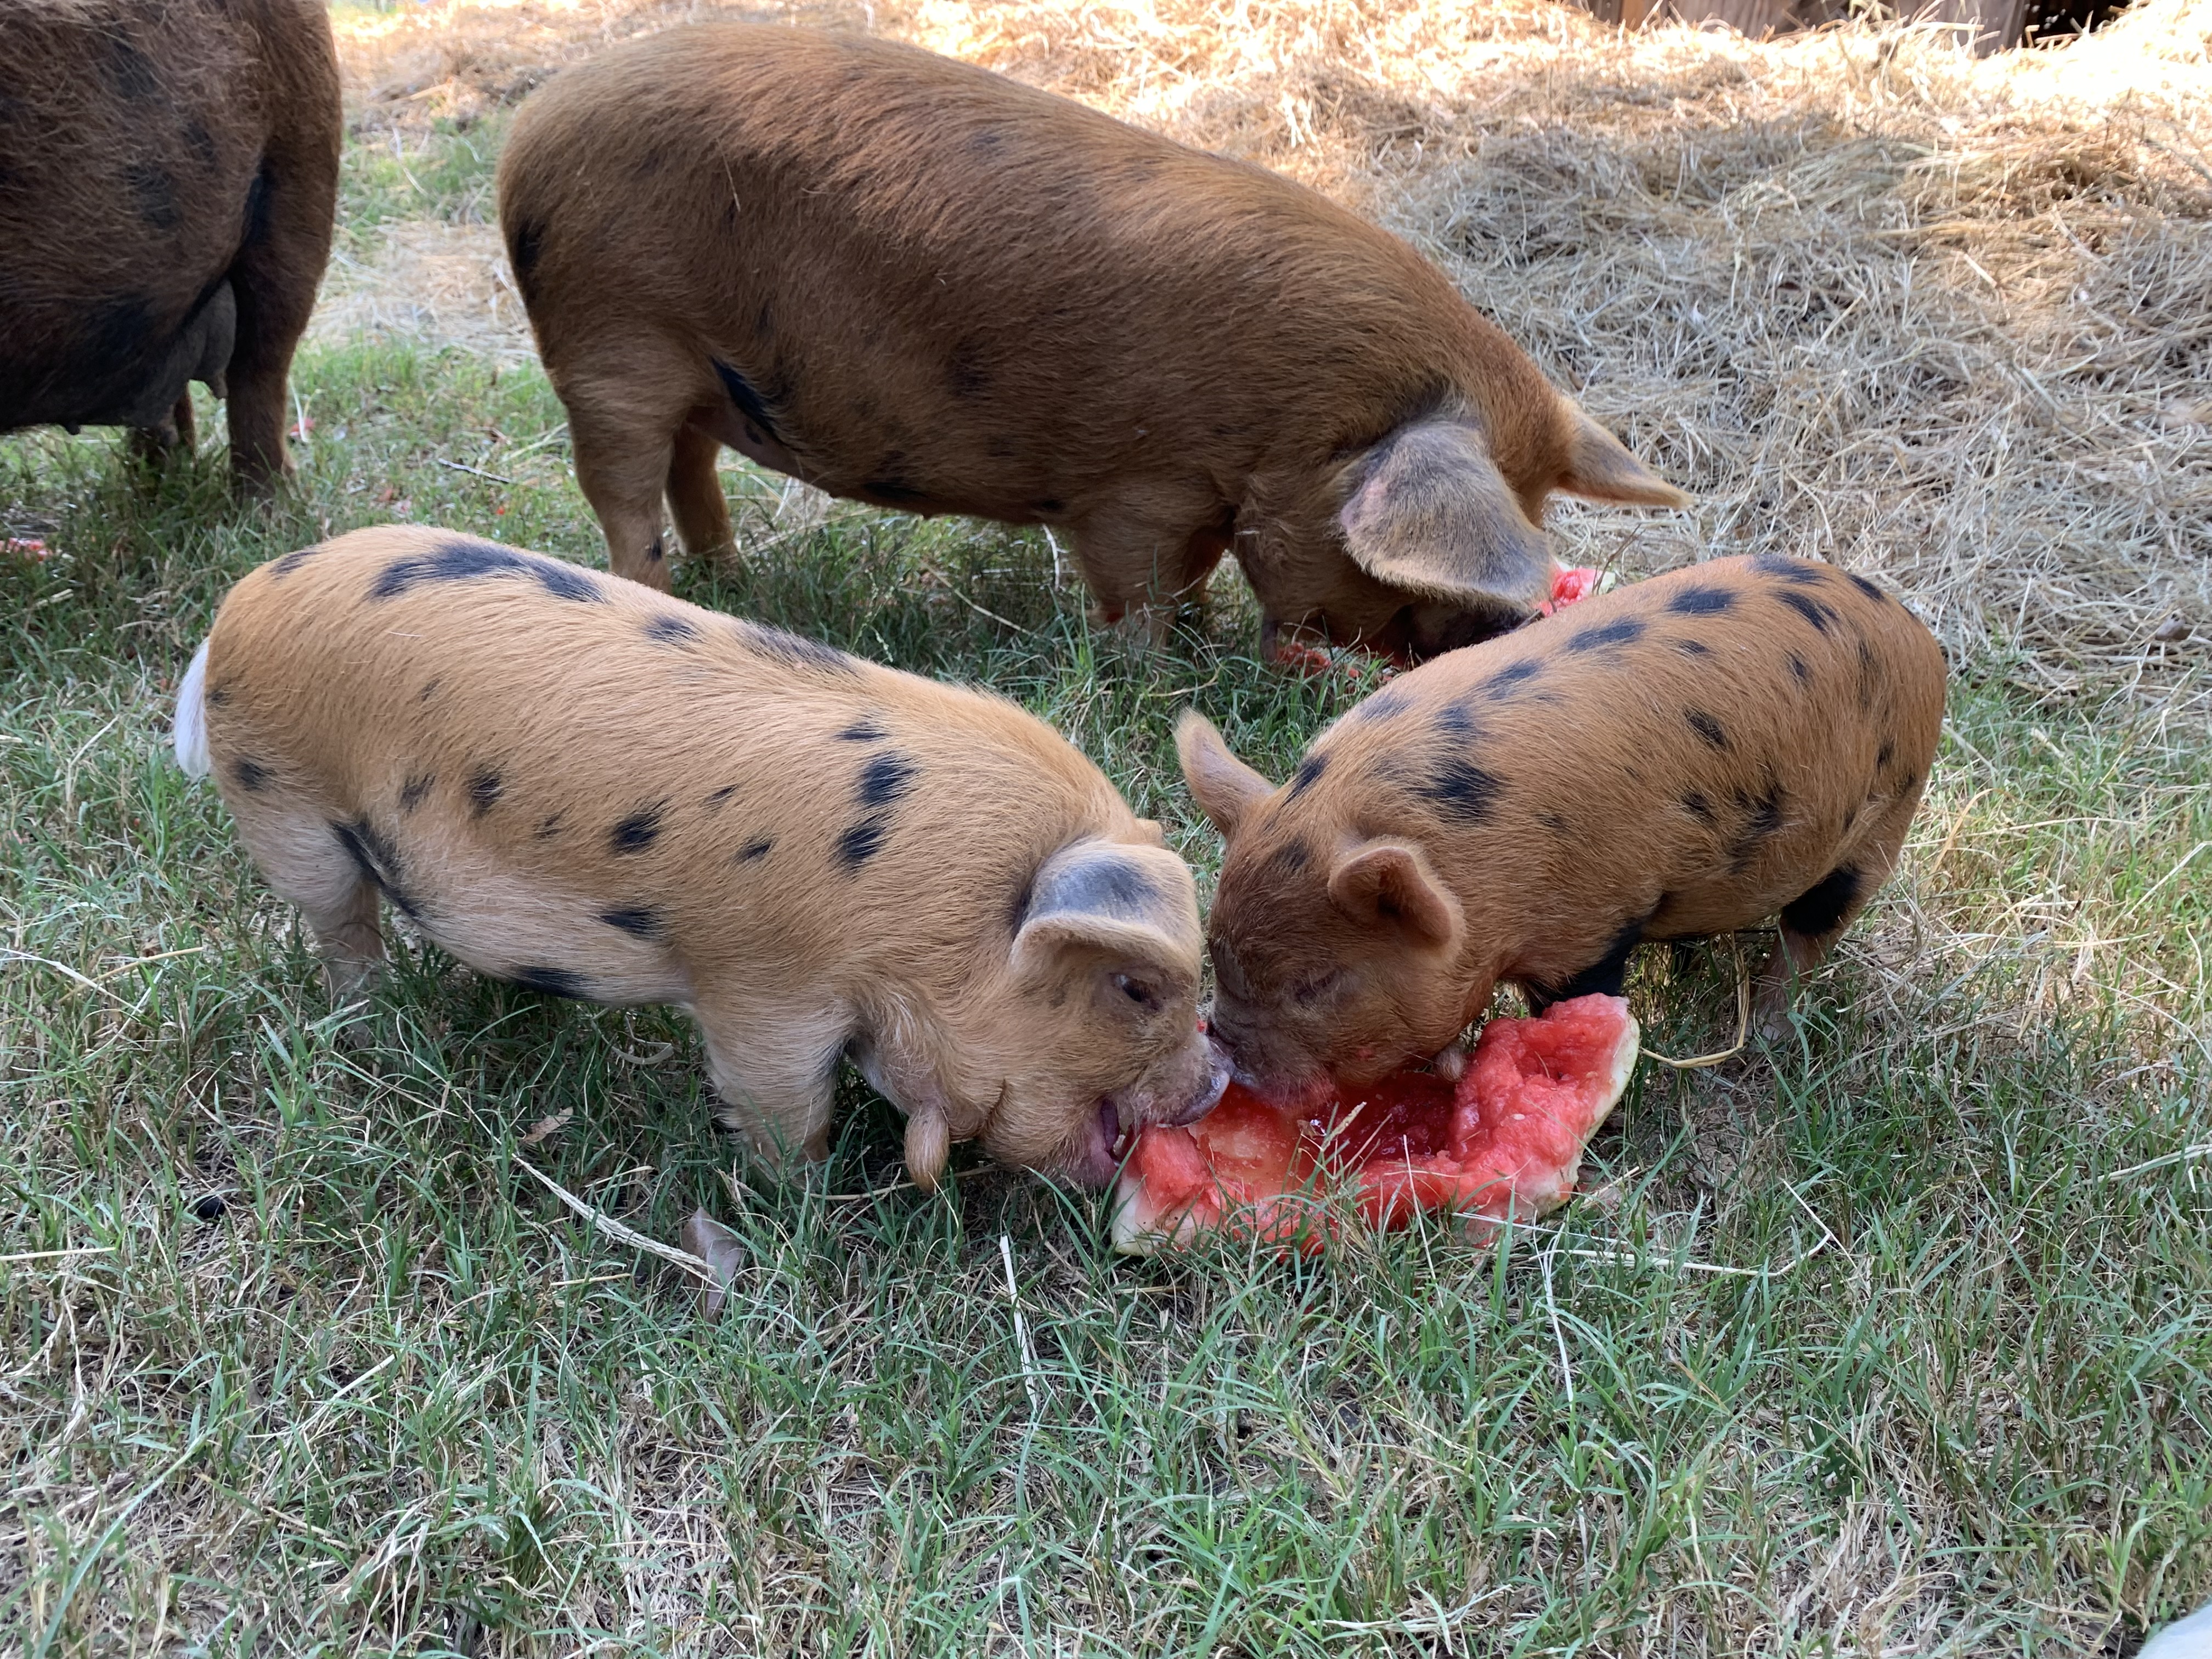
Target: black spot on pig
[[463, 559], [884, 780], [753, 851], [484, 786], [1803, 572], [793, 650], [429, 690], [1695, 804], [550, 825], [412, 791], [657, 552], [1554, 822], [1511, 677], [1289, 858], [717, 800], [281, 568], [554, 981], [638, 921], [1883, 756], [1622, 630], [671, 630], [1461, 791], [1455, 721], [1822, 908], [373, 857], [1604, 977], [1706, 727], [1383, 705], [1308, 774], [525, 242], [1701, 601], [249, 775], [153, 196], [639, 831], [1872, 590], [200, 143], [128, 70], [1693, 647], [889, 486], [862, 841], [1762, 817], [253, 229], [966, 373], [748, 402], [1802, 669], [1810, 608], [864, 729], [217, 695], [1870, 677]]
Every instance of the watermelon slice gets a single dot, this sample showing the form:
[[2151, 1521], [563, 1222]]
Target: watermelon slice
[[1504, 1143]]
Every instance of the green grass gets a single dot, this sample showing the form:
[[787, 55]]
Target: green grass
[[1950, 1396]]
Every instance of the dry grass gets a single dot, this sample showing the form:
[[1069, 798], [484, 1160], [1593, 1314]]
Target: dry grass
[[1942, 318]]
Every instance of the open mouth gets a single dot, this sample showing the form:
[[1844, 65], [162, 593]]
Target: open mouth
[[1114, 1138]]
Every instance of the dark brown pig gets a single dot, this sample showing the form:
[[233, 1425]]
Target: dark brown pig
[[168, 178], [1684, 757], [912, 282]]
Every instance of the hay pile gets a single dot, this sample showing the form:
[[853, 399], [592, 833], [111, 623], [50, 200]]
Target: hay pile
[[1944, 319]]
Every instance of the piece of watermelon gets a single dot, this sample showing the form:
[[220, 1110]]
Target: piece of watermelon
[[1505, 1142], [1572, 584]]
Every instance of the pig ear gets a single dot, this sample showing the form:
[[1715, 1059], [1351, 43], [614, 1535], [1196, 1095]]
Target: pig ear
[[1432, 515], [1600, 469], [1390, 883], [1107, 908], [1222, 785]]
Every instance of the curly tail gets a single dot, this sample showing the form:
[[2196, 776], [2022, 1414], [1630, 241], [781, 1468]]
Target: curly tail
[[190, 733]]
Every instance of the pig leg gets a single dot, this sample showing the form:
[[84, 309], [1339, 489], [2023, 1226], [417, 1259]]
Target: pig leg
[[775, 1069], [624, 436], [310, 866], [290, 214], [1813, 920], [695, 495], [1141, 557]]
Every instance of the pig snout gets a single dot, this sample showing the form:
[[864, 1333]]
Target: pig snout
[[1219, 1068]]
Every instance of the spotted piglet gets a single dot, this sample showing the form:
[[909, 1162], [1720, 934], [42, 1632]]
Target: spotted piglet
[[580, 784], [1684, 757]]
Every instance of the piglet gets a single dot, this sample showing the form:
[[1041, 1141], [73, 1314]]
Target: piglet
[[584, 786], [912, 282], [1683, 757]]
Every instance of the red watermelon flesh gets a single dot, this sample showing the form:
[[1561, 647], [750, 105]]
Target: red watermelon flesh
[[1570, 583], [1504, 1142]]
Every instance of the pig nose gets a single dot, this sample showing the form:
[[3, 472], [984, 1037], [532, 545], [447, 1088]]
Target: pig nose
[[1218, 1071]]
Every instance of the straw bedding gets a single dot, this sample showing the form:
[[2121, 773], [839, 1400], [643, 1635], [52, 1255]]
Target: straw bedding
[[1944, 319]]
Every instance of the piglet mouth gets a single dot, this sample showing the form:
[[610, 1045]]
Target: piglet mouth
[[1113, 1137]]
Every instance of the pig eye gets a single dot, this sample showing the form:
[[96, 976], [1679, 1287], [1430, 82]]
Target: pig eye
[[1135, 990], [1312, 990]]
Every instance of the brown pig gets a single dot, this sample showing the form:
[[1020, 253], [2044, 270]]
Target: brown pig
[[168, 179], [587, 786], [1683, 757], [912, 282]]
